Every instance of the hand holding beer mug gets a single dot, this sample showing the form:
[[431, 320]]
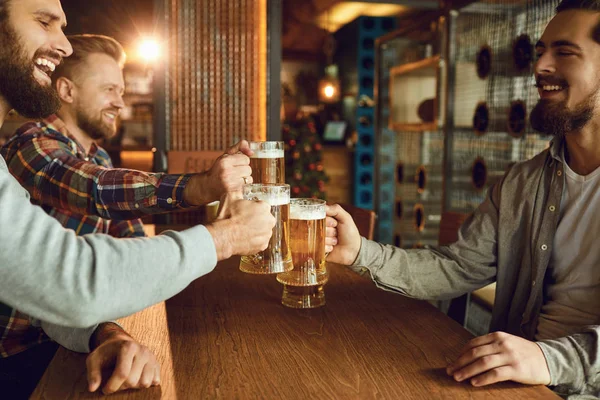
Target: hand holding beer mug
[[267, 162], [277, 256], [303, 286], [242, 227]]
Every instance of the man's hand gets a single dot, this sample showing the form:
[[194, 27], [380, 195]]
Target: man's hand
[[228, 174], [243, 227], [342, 240], [500, 357], [133, 365]]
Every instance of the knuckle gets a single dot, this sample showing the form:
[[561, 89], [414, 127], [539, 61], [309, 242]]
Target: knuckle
[[506, 346], [486, 360], [498, 335], [120, 373], [128, 347], [495, 373], [145, 382]]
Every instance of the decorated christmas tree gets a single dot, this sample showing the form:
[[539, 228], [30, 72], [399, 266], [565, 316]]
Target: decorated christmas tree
[[303, 158]]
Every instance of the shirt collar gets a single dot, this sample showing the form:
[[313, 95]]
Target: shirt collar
[[55, 123], [556, 148]]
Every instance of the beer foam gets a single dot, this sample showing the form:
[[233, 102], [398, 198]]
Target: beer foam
[[270, 153], [297, 212], [273, 199]]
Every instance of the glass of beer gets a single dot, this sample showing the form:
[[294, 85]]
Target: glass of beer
[[303, 286], [267, 163], [277, 257]]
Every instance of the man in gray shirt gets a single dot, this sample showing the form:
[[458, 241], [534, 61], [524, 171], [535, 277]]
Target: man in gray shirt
[[47, 271], [535, 234]]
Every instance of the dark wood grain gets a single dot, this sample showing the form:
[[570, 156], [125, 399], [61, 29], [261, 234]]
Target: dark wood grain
[[227, 336]]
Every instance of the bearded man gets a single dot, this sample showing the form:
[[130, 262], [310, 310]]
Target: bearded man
[[49, 273], [535, 234]]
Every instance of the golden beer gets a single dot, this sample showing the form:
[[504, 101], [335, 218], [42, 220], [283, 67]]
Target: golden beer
[[268, 162], [303, 286], [277, 257]]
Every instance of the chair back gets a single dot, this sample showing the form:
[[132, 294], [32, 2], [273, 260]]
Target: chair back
[[449, 226], [363, 218]]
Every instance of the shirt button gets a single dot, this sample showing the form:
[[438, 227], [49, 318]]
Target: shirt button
[[559, 172], [544, 247], [170, 200], [533, 283], [552, 208]]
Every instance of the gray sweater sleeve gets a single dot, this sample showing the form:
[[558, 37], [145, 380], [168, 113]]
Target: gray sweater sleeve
[[49, 273], [74, 339], [574, 362]]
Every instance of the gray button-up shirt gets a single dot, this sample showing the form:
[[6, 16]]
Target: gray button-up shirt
[[508, 239]]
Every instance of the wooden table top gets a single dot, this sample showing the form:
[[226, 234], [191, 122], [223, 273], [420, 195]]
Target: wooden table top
[[228, 336]]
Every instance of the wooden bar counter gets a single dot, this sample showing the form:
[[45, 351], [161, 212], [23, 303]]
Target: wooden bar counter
[[227, 336]]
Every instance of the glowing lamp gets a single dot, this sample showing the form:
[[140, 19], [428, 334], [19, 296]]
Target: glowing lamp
[[149, 50], [329, 90]]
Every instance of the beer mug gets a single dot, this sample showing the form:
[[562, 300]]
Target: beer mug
[[303, 286], [277, 257], [267, 163]]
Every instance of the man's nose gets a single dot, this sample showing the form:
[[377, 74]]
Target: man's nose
[[545, 64], [118, 102], [61, 44]]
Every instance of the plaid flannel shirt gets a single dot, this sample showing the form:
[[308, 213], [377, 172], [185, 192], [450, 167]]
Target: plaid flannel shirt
[[84, 193]]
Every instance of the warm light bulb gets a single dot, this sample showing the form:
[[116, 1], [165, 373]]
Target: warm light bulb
[[329, 91], [149, 50]]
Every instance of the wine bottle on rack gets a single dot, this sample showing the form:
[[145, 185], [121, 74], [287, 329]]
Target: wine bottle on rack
[[365, 102], [365, 121]]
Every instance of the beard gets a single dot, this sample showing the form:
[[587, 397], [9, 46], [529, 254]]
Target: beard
[[94, 127], [554, 118], [18, 85]]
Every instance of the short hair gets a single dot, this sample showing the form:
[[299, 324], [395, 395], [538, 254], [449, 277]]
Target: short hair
[[584, 5], [589, 5], [83, 47]]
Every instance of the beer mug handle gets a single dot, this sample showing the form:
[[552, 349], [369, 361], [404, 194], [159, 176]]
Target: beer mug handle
[[224, 203]]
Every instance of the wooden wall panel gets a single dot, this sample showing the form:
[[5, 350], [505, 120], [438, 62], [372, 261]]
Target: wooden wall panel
[[217, 73]]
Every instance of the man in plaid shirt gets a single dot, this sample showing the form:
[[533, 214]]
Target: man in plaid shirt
[[60, 164]]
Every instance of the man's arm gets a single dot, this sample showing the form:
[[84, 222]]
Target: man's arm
[[434, 273], [74, 339], [574, 362], [47, 167], [49, 273]]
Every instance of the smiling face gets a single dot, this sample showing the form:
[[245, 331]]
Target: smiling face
[[98, 96], [32, 45], [567, 73]]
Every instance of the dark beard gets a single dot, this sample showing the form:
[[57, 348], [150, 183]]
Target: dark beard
[[553, 118], [18, 85], [95, 129]]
